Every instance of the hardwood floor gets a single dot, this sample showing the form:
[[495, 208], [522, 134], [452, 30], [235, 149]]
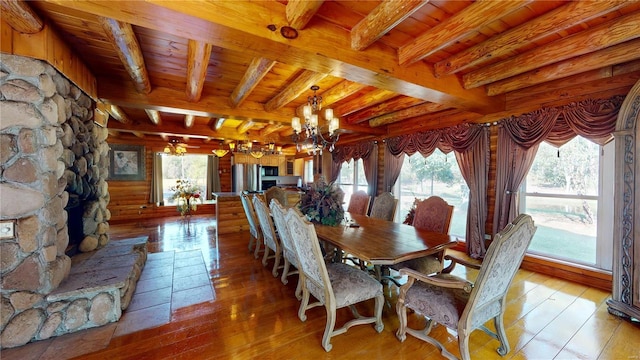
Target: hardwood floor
[[253, 315]]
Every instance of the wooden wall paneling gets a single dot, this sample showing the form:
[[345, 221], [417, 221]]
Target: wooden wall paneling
[[6, 38], [380, 179], [491, 186]]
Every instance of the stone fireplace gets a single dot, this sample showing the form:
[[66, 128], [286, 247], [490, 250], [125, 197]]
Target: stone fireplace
[[51, 151]]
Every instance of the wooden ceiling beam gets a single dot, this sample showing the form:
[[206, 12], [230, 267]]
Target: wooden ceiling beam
[[21, 17], [197, 62], [244, 126], [270, 129], [189, 119], [497, 46], [124, 41], [455, 28], [154, 116], [174, 101], [117, 113], [613, 55], [219, 124], [372, 98], [407, 113], [258, 68], [395, 104], [239, 25], [300, 12], [294, 89], [197, 131], [383, 18], [607, 34]]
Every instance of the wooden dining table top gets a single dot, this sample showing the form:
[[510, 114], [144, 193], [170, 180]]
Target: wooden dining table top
[[383, 242]]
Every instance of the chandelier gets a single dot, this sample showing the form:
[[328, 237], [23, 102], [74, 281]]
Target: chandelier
[[221, 151], [311, 139], [175, 149], [258, 151]]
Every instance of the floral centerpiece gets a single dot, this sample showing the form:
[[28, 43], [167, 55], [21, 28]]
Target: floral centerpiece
[[322, 203], [187, 195]]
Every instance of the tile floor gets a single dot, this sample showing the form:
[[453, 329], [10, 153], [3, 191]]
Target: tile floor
[[169, 281]]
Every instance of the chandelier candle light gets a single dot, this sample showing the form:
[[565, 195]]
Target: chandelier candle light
[[314, 141]]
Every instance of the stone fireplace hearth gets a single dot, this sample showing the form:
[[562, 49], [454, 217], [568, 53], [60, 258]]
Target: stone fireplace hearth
[[51, 151]]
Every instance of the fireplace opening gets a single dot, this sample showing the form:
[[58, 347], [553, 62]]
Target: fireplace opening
[[74, 224]]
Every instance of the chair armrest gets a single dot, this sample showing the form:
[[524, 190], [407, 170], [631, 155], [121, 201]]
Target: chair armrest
[[457, 257], [445, 281]]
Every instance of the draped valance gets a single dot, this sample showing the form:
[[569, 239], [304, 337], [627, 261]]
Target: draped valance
[[593, 119], [458, 138], [353, 151]]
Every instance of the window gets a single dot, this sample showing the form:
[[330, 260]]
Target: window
[[439, 175], [308, 170], [563, 192], [352, 179], [189, 166]]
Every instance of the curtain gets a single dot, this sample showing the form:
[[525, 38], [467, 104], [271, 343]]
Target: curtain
[[474, 167], [155, 195], [512, 165], [392, 167], [370, 164], [213, 177], [335, 170], [592, 119]]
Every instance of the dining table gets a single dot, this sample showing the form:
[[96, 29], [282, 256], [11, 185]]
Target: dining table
[[381, 242]]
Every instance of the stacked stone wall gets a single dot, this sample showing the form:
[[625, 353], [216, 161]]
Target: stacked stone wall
[[49, 148]]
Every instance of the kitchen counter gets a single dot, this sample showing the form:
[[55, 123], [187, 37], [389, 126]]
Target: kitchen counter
[[230, 215]]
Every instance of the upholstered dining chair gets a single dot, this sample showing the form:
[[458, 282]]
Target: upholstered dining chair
[[384, 207], [334, 285], [432, 214], [254, 228], [275, 192], [359, 203], [279, 214], [271, 239], [461, 305]]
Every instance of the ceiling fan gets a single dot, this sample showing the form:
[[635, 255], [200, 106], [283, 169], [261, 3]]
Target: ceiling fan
[[177, 148]]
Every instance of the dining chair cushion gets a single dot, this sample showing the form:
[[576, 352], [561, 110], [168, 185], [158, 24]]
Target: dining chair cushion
[[440, 304], [344, 279]]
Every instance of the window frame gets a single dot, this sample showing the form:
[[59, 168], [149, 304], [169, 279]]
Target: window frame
[[604, 212]]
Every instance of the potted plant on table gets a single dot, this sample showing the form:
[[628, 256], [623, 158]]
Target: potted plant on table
[[322, 203]]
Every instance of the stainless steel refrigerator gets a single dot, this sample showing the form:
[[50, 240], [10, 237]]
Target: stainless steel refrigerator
[[245, 177]]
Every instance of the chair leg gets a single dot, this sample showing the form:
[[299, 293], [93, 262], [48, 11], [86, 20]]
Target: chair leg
[[266, 255], [276, 263], [285, 272], [251, 243], [502, 335], [328, 329], [304, 303], [401, 334], [378, 313], [256, 253], [463, 345], [298, 292]]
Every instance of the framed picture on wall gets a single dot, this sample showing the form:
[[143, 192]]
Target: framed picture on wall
[[126, 162]]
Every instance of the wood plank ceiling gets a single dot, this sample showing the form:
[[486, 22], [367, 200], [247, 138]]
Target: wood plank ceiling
[[237, 70]]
